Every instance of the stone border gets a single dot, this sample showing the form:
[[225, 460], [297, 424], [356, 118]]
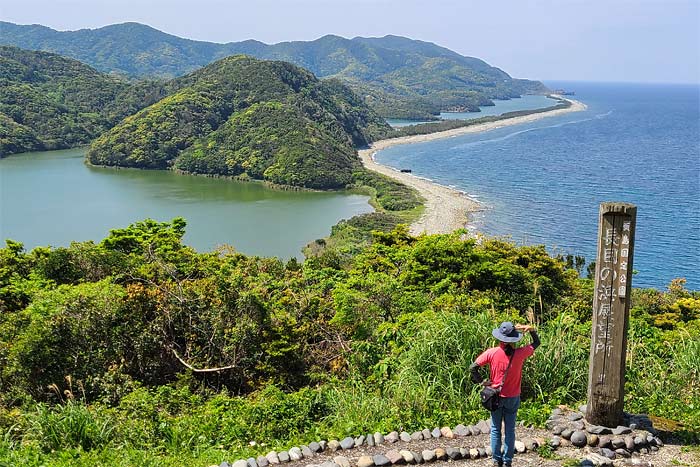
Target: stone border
[[391, 457], [603, 444], [569, 428]]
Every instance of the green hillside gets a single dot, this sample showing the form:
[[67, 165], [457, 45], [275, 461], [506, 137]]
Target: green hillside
[[52, 102], [399, 77], [139, 351], [244, 117]]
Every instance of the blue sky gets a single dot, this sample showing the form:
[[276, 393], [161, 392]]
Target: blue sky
[[593, 40]]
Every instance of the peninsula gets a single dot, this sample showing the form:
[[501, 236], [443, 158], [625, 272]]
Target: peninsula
[[447, 209]]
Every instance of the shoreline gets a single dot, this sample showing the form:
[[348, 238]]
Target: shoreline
[[446, 209]]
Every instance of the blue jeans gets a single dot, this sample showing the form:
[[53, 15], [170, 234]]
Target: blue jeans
[[505, 415]]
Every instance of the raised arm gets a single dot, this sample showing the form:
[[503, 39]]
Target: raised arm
[[532, 331]]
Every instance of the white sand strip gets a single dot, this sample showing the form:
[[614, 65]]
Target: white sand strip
[[446, 209]]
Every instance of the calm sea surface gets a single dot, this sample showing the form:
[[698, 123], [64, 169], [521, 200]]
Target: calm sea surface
[[52, 198], [543, 182]]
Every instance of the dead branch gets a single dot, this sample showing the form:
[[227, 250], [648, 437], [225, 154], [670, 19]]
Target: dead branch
[[201, 370]]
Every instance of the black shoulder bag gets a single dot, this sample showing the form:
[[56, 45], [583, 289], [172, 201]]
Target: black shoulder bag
[[491, 397]]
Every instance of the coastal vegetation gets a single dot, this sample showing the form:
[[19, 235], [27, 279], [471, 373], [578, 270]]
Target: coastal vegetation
[[248, 118], [104, 345], [398, 77]]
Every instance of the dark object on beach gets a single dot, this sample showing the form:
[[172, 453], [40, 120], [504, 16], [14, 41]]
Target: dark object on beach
[[407, 171]]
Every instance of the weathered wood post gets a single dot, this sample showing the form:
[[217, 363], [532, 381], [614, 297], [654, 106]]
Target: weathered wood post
[[611, 303]]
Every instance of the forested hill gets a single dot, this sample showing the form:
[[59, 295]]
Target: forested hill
[[241, 116], [52, 102], [398, 77]]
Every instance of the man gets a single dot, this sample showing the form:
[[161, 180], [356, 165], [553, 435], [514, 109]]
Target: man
[[498, 358]]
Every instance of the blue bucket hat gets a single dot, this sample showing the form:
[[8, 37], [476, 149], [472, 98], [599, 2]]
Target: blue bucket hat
[[506, 332]]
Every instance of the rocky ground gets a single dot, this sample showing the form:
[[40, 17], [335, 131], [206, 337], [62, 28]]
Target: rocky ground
[[363, 455]]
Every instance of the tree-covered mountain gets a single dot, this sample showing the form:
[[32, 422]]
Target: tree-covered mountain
[[52, 102], [398, 77], [240, 116]]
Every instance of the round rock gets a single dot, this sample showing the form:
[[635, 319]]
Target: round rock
[[440, 454], [333, 445], [394, 456], [405, 437], [453, 453], [365, 461], [554, 442], [295, 454], [605, 441], [428, 455], [593, 440], [520, 447], [347, 443], [381, 460], [417, 456], [618, 443], [579, 439], [341, 461]]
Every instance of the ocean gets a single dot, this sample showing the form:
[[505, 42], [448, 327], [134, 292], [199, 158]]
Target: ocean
[[542, 182]]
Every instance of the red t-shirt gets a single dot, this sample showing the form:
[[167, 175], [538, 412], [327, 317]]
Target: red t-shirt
[[497, 359]]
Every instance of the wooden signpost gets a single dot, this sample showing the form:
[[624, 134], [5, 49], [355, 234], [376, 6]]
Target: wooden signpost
[[611, 303]]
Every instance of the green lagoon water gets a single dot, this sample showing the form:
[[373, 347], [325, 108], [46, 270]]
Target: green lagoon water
[[53, 198]]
